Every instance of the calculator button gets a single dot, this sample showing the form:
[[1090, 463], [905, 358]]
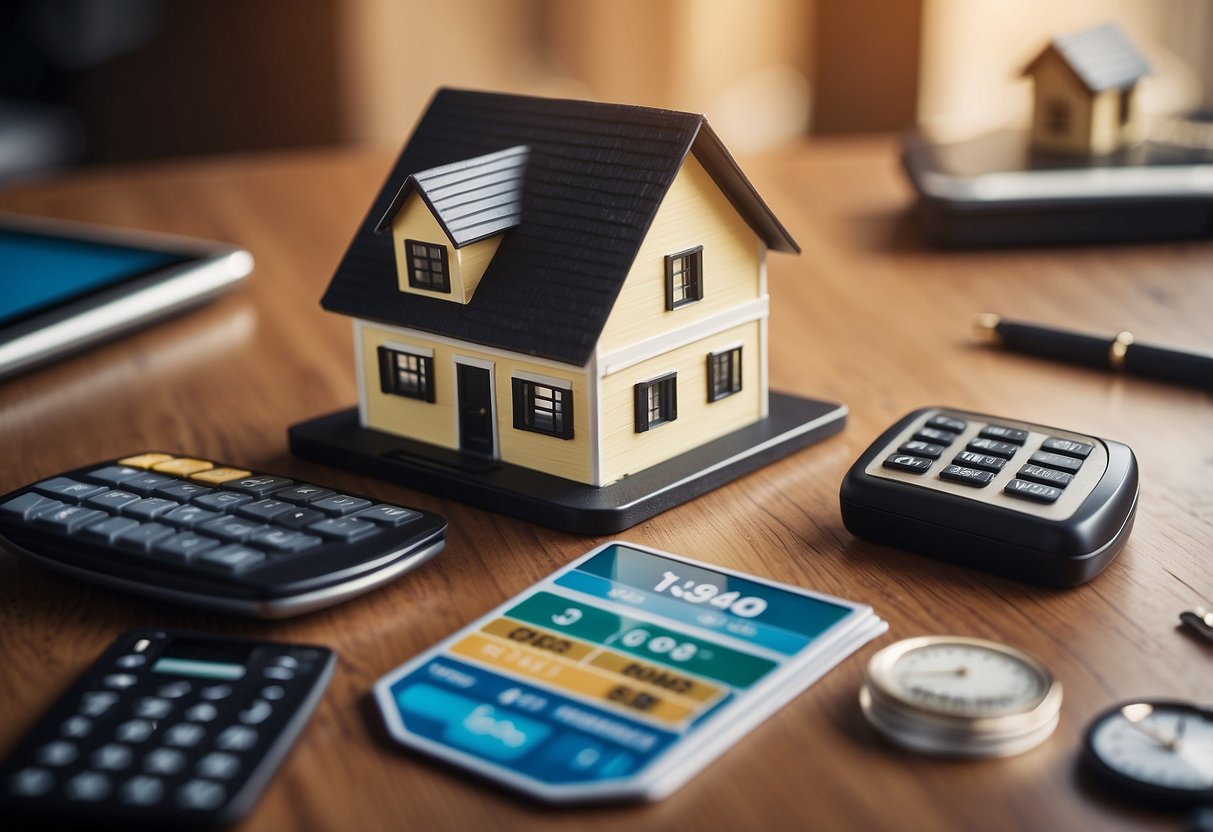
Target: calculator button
[[120, 681], [340, 504], [183, 492], [31, 782], [97, 702], [184, 735], [303, 494], [222, 500], [131, 660], [906, 462], [184, 546], [236, 738], [144, 460], [348, 529], [1069, 447], [112, 757], [264, 510], [150, 508], [68, 490], [141, 537], [948, 423], [218, 476], [57, 753], [134, 730], [1032, 491], [113, 499], [914, 447], [76, 727], [29, 506], [202, 712], [281, 540], [982, 461], [298, 518], [151, 707], [114, 474], [967, 476], [174, 690], [214, 693], [190, 516], [230, 559], [287, 661], [142, 790], [387, 515], [258, 486], [993, 447], [164, 761], [282, 674], [1013, 435], [933, 435], [256, 713], [70, 518], [1045, 475], [201, 794], [234, 529], [1056, 461], [183, 467], [88, 786], [107, 531], [272, 693], [145, 483], [219, 765]]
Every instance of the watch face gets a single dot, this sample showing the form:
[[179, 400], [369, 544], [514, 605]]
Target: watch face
[[968, 678], [1159, 749]]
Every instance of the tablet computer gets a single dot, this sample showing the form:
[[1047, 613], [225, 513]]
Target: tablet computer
[[65, 286]]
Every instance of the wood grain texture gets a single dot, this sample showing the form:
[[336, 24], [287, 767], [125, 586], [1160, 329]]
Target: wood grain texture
[[867, 316]]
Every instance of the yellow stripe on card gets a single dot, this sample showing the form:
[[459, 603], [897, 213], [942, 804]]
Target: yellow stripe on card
[[542, 640], [662, 678]]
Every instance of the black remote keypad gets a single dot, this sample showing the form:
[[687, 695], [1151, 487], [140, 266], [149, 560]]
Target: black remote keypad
[[215, 535], [166, 727]]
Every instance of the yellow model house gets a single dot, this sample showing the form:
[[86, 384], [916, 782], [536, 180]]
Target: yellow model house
[[570, 287], [1086, 88]]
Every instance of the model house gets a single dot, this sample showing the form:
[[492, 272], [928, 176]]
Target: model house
[[566, 286], [1086, 87]]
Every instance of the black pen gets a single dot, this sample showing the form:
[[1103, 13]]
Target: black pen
[[1119, 353]]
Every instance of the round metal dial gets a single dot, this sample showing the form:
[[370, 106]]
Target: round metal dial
[[958, 677]]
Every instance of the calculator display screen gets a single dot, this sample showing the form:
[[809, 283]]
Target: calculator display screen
[[204, 659]]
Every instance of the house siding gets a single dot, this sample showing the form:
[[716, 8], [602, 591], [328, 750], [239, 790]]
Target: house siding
[[415, 221]]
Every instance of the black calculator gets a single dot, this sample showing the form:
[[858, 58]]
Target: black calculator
[[167, 728], [213, 535], [1044, 505]]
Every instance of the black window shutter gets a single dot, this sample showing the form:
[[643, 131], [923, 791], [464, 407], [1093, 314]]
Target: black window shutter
[[386, 373]]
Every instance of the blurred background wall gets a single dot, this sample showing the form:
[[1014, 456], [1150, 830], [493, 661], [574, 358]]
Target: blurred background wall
[[101, 81]]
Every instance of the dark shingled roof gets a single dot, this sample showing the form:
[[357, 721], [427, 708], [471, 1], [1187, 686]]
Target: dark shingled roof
[[595, 177], [1103, 58]]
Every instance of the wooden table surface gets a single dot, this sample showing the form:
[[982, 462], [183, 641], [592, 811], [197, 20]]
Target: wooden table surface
[[867, 315]]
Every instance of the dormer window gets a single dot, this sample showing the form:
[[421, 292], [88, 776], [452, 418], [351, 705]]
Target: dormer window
[[428, 267], [683, 277]]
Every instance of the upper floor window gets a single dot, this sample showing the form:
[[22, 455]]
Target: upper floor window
[[683, 277], [724, 373], [408, 374], [428, 268], [543, 408], [656, 402], [1057, 116]]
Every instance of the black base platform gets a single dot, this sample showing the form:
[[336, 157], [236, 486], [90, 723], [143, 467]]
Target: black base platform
[[793, 423]]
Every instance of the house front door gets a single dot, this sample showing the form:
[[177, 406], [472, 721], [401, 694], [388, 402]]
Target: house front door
[[475, 409]]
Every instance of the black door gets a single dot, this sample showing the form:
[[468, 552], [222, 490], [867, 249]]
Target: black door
[[475, 410]]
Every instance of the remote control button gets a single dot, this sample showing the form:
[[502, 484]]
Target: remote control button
[[993, 447], [202, 712], [145, 483], [1045, 475], [166, 761], [201, 794], [256, 713], [113, 499], [215, 693], [107, 531], [134, 730], [112, 757], [183, 492], [31, 781], [218, 476], [282, 674], [142, 790], [230, 559], [114, 474], [183, 466], [29, 506], [340, 504], [184, 735], [68, 490], [272, 693], [131, 660], [222, 500], [144, 460], [219, 765], [233, 529], [258, 486], [236, 738], [1032, 491], [88, 787], [1013, 435], [264, 510], [905, 462], [287, 661], [184, 546], [982, 461], [967, 476], [120, 681], [1080, 450], [76, 727], [152, 707], [1056, 461], [298, 518], [281, 540], [388, 515], [70, 518], [141, 537], [174, 690], [190, 516], [303, 494], [57, 753], [150, 508], [348, 529], [97, 702], [914, 447], [947, 423], [935, 436]]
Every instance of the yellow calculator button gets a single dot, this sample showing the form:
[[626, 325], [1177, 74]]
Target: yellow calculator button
[[144, 460], [183, 467], [221, 475]]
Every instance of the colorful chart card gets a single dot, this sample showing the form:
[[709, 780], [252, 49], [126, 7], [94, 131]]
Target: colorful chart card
[[619, 676]]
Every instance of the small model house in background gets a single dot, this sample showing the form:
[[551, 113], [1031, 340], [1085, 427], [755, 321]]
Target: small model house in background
[[569, 288], [1086, 87]]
